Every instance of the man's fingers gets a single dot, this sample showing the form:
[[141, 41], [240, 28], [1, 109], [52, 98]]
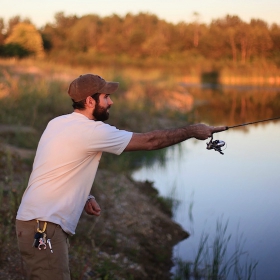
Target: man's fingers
[[94, 208], [96, 213], [88, 209]]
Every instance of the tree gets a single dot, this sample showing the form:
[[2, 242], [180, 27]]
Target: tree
[[26, 35], [111, 39], [261, 39], [245, 42], [226, 32], [275, 37], [13, 50], [2, 31], [12, 23], [84, 33], [58, 35], [231, 27], [214, 43], [196, 29]]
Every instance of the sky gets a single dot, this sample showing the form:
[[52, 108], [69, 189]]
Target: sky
[[42, 12]]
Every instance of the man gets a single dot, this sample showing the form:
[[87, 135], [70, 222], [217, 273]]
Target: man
[[64, 169]]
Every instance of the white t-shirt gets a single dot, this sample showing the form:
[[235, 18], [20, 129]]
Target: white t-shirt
[[64, 168]]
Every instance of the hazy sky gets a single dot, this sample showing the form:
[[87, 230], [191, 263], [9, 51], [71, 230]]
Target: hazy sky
[[41, 12]]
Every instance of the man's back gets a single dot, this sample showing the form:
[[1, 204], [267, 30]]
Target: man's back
[[64, 168]]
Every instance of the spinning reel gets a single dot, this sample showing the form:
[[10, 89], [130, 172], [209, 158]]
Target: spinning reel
[[218, 144], [215, 145]]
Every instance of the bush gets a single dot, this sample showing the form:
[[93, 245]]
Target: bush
[[13, 50]]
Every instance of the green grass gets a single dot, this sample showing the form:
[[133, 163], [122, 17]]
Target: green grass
[[13, 181], [34, 104], [212, 261]]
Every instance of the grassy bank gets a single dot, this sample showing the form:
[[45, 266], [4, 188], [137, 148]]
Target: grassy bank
[[125, 243]]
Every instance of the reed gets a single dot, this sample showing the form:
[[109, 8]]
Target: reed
[[212, 262]]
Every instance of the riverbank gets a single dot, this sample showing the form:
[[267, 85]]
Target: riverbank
[[135, 230], [132, 239]]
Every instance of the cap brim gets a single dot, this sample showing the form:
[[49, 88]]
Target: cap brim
[[109, 87]]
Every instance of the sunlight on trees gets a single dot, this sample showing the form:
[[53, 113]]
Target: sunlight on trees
[[229, 40], [26, 35]]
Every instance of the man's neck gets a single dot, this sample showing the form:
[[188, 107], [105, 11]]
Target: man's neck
[[85, 112]]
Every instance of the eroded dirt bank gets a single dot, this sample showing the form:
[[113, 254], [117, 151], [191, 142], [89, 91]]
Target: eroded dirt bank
[[133, 226]]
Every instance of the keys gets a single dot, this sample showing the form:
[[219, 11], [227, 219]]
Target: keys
[[37, 237], [42, 244], [44, 237], [40, 238], [42, 241], [50, 245]]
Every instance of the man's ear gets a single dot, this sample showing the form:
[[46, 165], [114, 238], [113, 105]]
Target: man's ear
[[90, 102]]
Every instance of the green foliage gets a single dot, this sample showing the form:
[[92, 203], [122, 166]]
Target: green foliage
[[11, 190], [13, 50], [26, 35], [144, 36], [19, 139], [144, 39], [211, 261], [2, 27], [35, 101]]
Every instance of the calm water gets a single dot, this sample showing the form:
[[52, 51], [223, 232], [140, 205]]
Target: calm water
[[241, 187]]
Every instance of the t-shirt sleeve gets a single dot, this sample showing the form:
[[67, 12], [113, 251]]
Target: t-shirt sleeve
[[107, 138]]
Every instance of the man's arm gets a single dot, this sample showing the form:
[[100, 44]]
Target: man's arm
[[159, 139]]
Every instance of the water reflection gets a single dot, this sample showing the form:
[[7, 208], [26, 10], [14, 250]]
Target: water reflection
[[234, 105], [241, 186]]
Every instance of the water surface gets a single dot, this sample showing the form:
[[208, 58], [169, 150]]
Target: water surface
[[241, 187]]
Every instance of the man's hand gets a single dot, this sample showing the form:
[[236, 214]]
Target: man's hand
[[92, 207], [203, 131]]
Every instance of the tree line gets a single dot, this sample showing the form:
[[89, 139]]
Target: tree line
[[142, 36]]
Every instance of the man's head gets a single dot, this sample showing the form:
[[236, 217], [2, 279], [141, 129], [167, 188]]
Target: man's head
[[89, 89], [89, 84]]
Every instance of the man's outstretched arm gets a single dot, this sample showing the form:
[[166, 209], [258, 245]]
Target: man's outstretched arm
[[159, 139]]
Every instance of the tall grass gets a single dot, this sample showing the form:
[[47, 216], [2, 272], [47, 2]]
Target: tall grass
[[13, 180], [33, 101], [212, 261]]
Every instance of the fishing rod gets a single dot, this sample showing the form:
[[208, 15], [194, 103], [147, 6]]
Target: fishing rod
[[217, 145], [272, 119]]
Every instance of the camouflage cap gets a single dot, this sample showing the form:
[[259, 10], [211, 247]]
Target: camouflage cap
[[88, 84]]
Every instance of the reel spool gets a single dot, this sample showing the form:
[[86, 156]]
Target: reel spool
[[215, 145]]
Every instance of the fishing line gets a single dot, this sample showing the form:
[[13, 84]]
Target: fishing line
[[217, 145]]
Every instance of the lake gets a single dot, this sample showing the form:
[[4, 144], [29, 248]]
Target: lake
[[240, 188]]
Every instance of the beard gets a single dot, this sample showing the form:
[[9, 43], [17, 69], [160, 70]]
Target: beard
[[100, 113]]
